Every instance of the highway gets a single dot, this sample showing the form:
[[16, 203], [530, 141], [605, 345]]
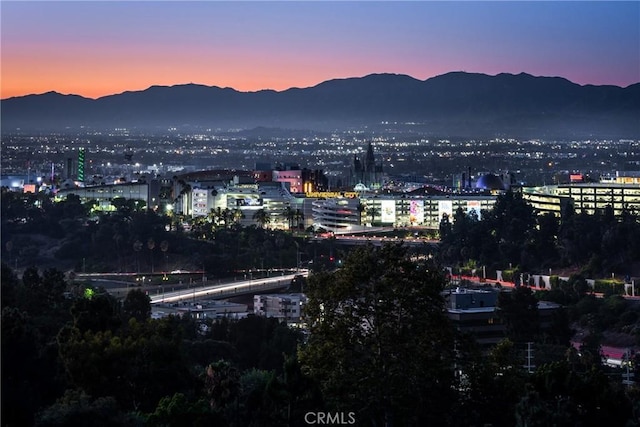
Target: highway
[[226, 290], [379, 241]]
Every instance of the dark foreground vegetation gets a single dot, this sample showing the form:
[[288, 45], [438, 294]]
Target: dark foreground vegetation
[[379, 348]]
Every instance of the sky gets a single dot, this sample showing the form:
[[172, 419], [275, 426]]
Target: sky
[[93, 48]]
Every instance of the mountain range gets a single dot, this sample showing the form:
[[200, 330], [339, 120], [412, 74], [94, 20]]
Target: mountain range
[[452, 104]]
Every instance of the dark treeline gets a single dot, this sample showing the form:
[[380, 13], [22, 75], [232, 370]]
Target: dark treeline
[[380, 350], [74, 355], [511, 235], [68, 235]]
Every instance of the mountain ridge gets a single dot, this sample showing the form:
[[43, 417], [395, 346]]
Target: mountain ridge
[[461, 102], [321, 83]]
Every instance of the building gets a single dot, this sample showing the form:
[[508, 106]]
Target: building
[[314, 180], [589, 197], [293, 179], [210, 309], [286, 307], [623, 177], [366, 171], [585, 197], [544, 200], [475, 311], [344, 214], [337, 214], [197, 194], [104, 194]]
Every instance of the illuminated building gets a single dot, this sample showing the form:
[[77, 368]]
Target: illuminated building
[[366, 171], [544, 200], [81, 165], [621, 193], [292, 177], [398, 210], [104, 194], [589, 197], [301, 180], [337, 214], [287, 307]]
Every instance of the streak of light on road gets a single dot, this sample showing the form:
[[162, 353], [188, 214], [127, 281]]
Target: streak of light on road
[[227, 290]]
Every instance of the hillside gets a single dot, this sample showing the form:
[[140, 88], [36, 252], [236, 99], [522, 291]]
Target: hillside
[[457, 103]]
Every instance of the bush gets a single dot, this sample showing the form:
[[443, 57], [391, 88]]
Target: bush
[[609, 287]]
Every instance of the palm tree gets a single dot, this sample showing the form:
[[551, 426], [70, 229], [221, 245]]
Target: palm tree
[[218, 214], [289, 214], [137, 246], [212, 216], [298, 216], [227, 216], [372, 212], [238, 216], [151, 244], [262, 217], [116, 238], [164, 247], [361, 208], [185, 189]]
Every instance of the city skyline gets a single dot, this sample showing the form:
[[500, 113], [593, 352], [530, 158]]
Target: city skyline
[[96, 49]]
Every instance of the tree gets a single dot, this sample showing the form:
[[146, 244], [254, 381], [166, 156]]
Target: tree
[[298, 217], [288, 214], [519, 311], [151, 244], [262, 399], [445, 228], [178, 410], [10, 285], [546, 240], [137, 365], [125, 207], [19, 368], [361, 208], [79, 409], [263, 342], [373, 212], [560, 394], [490, 383], [96, 311], [238, 216], [262, 217], [137, 247], [222, 384], [137, 304], [164, 247], [380, 343]]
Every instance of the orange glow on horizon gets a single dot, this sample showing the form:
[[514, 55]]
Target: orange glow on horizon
[[103, 69], [90, 84]]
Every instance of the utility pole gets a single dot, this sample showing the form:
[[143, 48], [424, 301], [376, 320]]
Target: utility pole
[[529, 366]]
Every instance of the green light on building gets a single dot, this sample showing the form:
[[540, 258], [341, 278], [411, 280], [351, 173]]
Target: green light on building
[[81, 165]]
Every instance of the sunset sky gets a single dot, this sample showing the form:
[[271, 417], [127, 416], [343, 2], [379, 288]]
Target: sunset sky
[[99, 48]]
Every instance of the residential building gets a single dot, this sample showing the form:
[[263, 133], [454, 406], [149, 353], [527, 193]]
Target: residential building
[[287, 307]]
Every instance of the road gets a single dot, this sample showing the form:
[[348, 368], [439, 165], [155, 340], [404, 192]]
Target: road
[[225, 290], [378, 241]]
